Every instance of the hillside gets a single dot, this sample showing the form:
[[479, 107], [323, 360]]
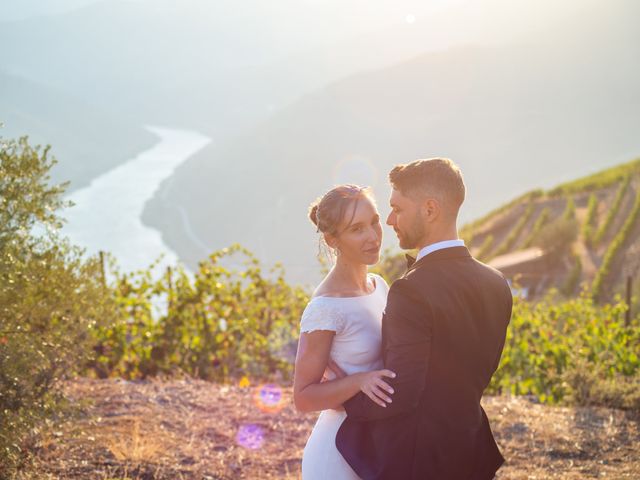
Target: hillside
[[86, 140], [588, 233], [197, 430], [511, 116]]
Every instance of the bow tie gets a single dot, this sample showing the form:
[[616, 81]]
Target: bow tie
[[410, 260]]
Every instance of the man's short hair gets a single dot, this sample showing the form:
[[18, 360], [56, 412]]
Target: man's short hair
[[437, 178]]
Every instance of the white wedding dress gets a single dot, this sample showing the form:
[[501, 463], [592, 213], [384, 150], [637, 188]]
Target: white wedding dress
[[356, 348]]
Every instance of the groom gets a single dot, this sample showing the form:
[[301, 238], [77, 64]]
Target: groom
[[443, 332]]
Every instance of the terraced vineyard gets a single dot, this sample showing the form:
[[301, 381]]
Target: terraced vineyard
[[587, 230]]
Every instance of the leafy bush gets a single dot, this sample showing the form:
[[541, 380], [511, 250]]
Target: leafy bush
[[552, 345], [50, 298], [222, 324]]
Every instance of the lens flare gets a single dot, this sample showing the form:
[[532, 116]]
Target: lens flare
[[269, 398], [355, 169], [250, 436]]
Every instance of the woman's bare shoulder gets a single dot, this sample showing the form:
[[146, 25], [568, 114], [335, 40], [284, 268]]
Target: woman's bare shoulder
[[326, 288]]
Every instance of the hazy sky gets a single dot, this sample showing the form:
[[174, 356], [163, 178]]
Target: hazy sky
[[20, 9], [484, 20]]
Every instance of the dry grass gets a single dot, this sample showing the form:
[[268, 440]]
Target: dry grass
[[191, 429]]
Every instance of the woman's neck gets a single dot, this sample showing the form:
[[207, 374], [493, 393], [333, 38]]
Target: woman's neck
[[350, 276]]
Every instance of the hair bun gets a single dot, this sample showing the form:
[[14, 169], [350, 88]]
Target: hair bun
[[313, 213]]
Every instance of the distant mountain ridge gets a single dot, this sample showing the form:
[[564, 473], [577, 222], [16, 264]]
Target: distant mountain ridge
[[220, 68], [558, 102], [85, 140]]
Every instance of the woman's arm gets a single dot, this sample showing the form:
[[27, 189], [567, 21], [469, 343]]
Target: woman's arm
[[310, 394]]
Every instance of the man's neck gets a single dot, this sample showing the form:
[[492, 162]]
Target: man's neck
[[447, 234], [437, 241]]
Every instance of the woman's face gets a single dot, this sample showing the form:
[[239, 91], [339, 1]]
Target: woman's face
[[360, 240]]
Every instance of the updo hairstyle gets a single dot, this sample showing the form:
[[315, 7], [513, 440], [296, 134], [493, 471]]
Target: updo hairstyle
[[328, 211]]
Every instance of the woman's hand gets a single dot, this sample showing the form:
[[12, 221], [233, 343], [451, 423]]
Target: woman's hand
[[372, 385]]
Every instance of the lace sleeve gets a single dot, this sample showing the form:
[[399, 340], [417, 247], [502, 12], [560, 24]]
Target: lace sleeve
[[320, 316]]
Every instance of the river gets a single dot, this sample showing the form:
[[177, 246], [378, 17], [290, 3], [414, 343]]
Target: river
[[107, 213]]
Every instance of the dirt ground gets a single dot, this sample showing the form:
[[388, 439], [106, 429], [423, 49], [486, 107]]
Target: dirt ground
[[191, 429]]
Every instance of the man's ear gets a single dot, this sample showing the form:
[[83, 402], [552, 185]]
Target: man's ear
[[430, 209]]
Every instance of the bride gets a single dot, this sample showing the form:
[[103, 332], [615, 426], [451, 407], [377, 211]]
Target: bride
[[341, 327]]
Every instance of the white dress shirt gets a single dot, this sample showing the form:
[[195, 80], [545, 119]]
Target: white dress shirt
[[439, 246]]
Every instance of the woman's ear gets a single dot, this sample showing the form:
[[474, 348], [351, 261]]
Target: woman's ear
[[331, 240]]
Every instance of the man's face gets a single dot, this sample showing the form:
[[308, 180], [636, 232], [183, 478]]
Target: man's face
[[406, 220]]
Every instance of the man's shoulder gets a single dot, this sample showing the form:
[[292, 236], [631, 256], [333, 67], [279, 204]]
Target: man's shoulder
[[494, 277], [437, 274]]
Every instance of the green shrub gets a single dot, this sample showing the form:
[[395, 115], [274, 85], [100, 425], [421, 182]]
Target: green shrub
[[589, 384], [222, 324], [50, 299], [550, 344]]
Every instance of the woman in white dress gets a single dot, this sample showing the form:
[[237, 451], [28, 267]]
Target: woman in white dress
[[341, 327]]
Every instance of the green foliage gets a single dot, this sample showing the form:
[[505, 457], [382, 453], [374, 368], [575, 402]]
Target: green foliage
[[613, 249], [591, 385], [597, 181], [613, 211], [515, 233], [590, 220], [222, 324], [550, 346], [541, 221], [59, 317], [50, 298]]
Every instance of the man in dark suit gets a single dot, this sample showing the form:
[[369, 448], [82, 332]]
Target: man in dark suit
[[443, 332]]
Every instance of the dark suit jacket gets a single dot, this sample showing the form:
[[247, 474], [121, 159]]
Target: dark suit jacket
[[443, 332]]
